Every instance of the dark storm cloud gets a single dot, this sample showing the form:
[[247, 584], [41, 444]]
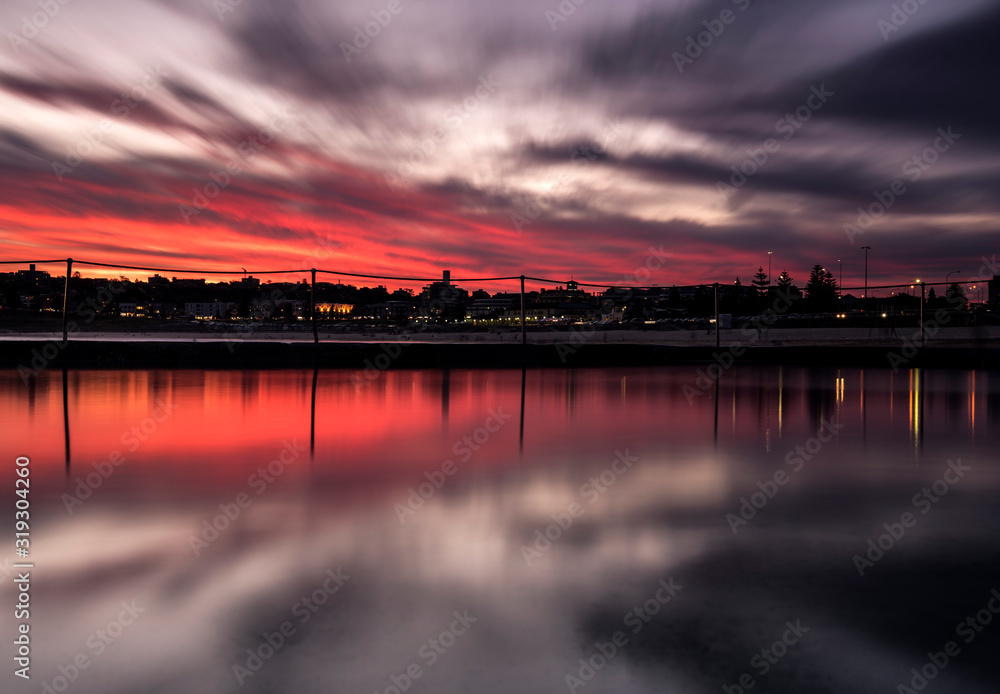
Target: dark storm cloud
[[99, 98], [118, 105], [207, 105], [920, 82], [93, 96], [18, 150], [288, 47], [646, 47], [932, 77], [682, 129], [851, 183], [846, 181]]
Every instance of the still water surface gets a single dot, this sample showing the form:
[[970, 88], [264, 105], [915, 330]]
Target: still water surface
[[564, 511]]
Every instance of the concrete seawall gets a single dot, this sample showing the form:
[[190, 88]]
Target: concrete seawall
[[37, 355]]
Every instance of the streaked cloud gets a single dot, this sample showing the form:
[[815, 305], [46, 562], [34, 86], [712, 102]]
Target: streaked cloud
[[294, 148]]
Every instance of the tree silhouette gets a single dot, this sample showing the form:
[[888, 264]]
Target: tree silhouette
[[786, 287], [731, 298], [821, 290], [955, 295], [674, 298], [760, 282], [932, 298]]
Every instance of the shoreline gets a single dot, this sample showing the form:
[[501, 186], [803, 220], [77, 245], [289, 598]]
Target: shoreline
[[36, 355]]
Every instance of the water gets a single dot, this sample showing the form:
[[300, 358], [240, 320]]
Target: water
[[637, 475]]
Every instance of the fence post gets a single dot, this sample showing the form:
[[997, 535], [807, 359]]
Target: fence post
[[524, 335], [69, 271], [923, 341], [716, 286], [312, 300]]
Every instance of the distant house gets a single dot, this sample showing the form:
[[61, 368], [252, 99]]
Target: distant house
[[131, 310], [188, 283], [331, 310], [493, 306], [213, 310], [443, 299], [31, 277]]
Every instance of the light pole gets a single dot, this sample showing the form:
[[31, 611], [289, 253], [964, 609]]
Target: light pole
[[840, 286], [866, 249], [947, 280], [769, 274], [923, 300]]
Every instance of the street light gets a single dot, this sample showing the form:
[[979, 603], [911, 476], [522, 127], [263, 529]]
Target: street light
[[840, 286], [866, 249], [769, 273]]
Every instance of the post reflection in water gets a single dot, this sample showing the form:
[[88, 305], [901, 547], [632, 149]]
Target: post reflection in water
[[972, 405], [312, 418], [715, 428], [916, 404], [65, 398], [445, 395], [864, 400], [520, 435], [380, 448]]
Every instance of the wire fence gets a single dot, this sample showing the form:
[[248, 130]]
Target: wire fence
[[69, 262]]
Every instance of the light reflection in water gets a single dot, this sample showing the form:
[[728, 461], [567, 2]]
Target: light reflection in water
[[370, 447]]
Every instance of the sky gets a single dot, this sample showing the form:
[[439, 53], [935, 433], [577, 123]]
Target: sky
[[591, 140]]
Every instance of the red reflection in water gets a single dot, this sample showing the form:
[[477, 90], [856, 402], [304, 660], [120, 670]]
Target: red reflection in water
[[195, 428]]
